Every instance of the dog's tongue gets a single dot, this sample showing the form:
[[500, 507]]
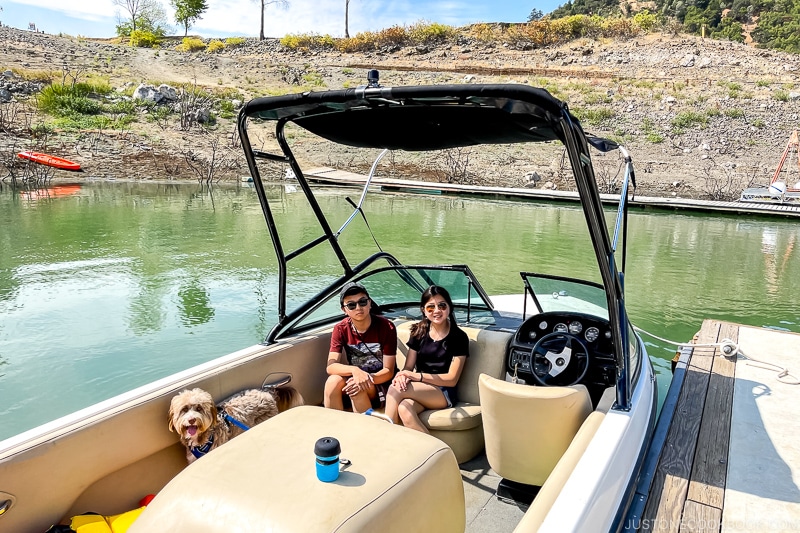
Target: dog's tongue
[[191, 430]]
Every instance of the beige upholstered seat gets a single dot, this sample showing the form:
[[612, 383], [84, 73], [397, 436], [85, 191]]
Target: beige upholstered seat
[[527, 429], [265, 480], [460, 426]]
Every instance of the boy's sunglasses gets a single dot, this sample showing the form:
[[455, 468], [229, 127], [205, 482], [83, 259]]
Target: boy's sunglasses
[[361, 302], [432, 307]]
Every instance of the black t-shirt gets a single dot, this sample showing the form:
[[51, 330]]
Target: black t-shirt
[[434, 357]]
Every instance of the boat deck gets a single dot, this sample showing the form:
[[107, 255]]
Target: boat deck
[[331, 176], [485, 512], [725, 445]]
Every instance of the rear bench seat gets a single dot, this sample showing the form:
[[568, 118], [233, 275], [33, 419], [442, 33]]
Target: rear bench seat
[[461, 426]]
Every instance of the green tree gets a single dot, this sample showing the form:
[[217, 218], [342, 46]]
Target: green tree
[[188, 11], [133, 7], [536, 14], [264, 4], [145, 15]]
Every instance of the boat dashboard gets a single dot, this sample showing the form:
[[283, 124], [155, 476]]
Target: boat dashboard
[[559, 348]]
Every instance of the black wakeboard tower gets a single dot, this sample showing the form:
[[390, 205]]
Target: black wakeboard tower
[[437, 117]]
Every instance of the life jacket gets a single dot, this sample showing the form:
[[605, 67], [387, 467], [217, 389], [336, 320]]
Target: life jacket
[[95, 523]]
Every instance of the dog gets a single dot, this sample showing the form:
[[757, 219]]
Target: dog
[[203, 426]]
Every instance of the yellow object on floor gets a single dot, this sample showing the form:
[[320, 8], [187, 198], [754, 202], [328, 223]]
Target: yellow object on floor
[[95, 523]]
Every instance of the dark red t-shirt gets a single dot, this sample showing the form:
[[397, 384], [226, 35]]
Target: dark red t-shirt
[[365, 350]]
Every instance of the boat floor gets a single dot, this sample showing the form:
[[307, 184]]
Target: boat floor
[[485, 512]]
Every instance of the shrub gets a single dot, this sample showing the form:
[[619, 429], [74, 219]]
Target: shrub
[[781, 96], [618, 27], [190, 44], [689, 118], [593, 116], [308, 41], [646, 21], [362, 42], [144, 39], [65, 100], [485, 33], [396, 35], [234, 41], [215, 46], [431, 33]]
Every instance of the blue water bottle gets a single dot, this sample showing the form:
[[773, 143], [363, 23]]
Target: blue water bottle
[[327, 450]]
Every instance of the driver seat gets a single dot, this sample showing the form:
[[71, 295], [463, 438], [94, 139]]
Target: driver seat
[[528, 428]]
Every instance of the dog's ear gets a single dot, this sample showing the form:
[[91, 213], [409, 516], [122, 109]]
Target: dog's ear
[[170, 424], [171, 415]]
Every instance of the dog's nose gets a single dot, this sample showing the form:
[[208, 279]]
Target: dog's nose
[[192, 421]]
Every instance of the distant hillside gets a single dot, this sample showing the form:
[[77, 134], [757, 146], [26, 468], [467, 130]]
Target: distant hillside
[[766, 23]]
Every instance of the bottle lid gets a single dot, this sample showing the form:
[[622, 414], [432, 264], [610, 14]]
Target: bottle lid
[[327, 447]]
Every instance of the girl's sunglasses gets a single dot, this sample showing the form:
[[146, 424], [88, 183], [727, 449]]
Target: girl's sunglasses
[[361, 302], [432, 307]]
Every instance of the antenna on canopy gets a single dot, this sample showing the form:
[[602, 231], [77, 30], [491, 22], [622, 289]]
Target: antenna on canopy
[[372, 78]]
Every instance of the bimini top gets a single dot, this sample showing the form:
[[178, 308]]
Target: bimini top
[[422, 117]]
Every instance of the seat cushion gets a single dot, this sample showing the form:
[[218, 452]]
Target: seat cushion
[[460, 417]]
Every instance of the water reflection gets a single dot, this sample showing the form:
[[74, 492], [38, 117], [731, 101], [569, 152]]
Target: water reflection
[[194, 304]]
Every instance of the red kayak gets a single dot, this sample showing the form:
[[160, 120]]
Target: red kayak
[[50, 160]]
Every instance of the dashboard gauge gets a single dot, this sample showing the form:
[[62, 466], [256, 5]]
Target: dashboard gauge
[[532, 335], [575, 327], [561, 328], [608, 334], [592, 334], [542, 325]]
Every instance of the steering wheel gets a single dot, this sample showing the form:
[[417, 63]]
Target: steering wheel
[[559, 352]]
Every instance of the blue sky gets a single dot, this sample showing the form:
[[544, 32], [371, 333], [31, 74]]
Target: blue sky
[[98, 18]]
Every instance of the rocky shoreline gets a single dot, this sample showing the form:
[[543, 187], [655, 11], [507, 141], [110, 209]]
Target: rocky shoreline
[[701, 118]]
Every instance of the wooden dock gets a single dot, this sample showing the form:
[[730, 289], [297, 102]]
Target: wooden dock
[[331, 176], [723, 454]]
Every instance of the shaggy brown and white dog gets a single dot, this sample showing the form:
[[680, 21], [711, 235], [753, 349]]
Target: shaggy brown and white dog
[[203, 426]]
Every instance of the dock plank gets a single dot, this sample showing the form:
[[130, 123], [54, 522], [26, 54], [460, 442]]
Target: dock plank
[[707, 485], [670, 487], [699, 518]]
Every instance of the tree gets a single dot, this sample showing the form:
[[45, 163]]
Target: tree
[[264, 4], [133, 7], [145, 15], [536, 14], [188, 11], [346, 19]]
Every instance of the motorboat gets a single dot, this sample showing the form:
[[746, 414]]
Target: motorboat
[[557, 400]]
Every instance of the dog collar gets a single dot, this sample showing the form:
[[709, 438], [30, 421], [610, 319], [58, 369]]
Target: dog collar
[[200, 451]]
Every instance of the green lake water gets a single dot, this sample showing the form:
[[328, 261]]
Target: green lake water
[[112, 285]]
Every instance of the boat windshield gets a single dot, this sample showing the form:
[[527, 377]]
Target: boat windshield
[[397, 290], [552, 293]]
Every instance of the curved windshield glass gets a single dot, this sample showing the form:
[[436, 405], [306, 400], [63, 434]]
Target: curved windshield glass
[[397, 290], [551, 293]]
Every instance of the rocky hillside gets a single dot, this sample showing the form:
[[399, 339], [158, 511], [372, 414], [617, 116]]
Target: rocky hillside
[[701, 118]]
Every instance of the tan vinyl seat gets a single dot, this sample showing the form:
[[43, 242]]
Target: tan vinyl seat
[[527, 429], [460, 426], [265, 480]]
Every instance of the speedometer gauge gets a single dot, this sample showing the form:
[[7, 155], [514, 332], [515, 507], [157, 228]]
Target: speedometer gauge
[[592, 334], [560, 328], [575, 327]]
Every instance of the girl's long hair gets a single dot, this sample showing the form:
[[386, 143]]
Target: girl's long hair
[[420, 329]]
